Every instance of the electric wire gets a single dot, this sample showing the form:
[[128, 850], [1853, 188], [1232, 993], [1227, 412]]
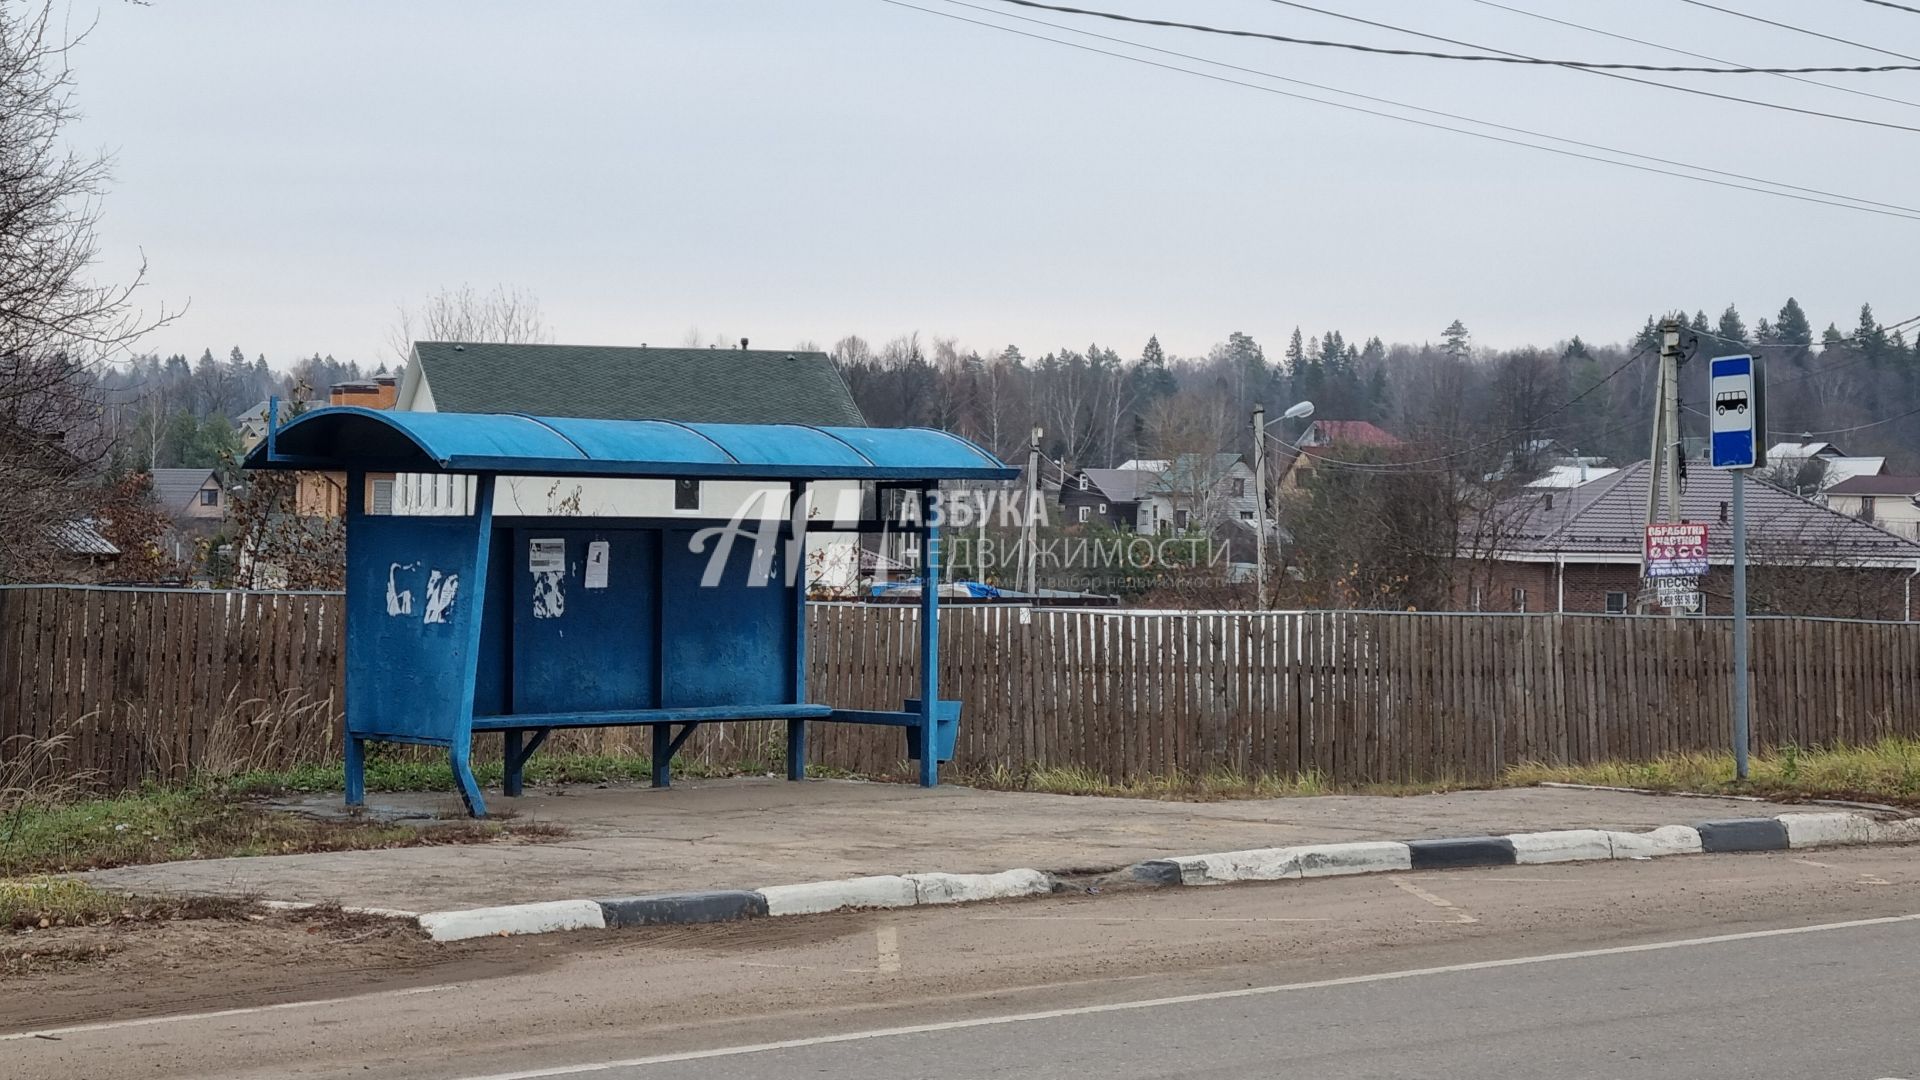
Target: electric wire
[[1433, 112], [1798, 29], [1491, 56], [1529, 427], [1861, 206], [1894, 6], [1830, 431], [1686, 52], [1593, 71]]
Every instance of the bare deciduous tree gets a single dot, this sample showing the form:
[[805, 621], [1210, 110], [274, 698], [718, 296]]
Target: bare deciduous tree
[[58, 325], [502, 314]]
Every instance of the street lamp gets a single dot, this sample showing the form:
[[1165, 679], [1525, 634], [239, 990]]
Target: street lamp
[[1298, 411]]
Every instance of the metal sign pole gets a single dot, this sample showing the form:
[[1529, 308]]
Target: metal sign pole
[[1740, 623], [1738, 390]]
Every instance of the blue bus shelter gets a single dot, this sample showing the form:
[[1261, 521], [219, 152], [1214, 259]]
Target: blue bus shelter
[[476, 622]]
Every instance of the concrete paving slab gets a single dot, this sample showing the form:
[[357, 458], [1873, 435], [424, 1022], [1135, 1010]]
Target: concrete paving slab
[[755, 832]]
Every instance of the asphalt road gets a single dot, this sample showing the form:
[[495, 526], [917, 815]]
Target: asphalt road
[[1782, 965]]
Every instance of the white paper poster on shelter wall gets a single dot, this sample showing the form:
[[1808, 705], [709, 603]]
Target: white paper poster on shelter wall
[[598, 552], [547, 556]]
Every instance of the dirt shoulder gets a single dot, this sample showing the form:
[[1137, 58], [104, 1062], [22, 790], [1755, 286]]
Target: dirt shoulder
[[63, 976]]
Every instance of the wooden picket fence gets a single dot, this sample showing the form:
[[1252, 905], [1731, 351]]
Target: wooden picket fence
[[155, 683]]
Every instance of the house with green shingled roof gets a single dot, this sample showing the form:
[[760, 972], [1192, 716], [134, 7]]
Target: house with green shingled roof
[[607, 382]]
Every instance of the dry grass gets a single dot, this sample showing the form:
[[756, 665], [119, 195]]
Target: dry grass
[[1887, 771], [246, 735], [1181, 787]]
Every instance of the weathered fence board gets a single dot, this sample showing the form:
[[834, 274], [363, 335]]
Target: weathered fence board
[[155, 683]]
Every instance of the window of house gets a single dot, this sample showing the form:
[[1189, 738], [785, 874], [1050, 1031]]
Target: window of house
[[1084, 512], [1083, 483], [686, 494], [1246, 515], [1180, 519], [1474, 599], [1103, 508], [209, 496], [1239, 487], [1866, 508], [382, 497], [1616, 603], [1519, 599]]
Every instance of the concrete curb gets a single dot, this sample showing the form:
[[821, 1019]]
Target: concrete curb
[[1781, 833], [729, 905]]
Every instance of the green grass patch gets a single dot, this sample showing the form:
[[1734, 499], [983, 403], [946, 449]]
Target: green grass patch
[[198, 822], [1887, 771], [42, 903]]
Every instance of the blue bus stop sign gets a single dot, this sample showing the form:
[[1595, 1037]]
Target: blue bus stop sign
[[1739, 429]]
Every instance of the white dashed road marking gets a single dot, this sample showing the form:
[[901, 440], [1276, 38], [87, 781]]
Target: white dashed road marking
[[1437, 901]]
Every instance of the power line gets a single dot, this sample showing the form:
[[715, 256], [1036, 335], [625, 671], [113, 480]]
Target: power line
[[1896, 7], [1854, 205], [1798, 29], [1833, 431], [1428, 111], [1495, 57], [1591, 71], [1685, 52], [1882, 328], [1529, 427]]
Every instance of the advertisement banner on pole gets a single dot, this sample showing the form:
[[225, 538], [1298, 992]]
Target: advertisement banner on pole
[[1676, 550], [1678, 593]]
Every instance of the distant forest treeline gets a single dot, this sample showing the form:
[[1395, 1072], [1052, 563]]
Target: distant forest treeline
[[1103, 404]]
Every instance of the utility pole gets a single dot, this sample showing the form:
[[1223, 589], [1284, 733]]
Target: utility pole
[[1260, 505], [1663, 461], [1027, 551], [1670, 360]]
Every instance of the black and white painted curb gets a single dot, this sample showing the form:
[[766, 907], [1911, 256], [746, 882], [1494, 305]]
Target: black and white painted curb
[[1780, 833], [1787, 831], [727, 905]]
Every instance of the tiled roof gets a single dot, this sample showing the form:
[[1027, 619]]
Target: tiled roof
[[175, 489], [1121, 485], [715, 386], [1571, 476], [79, 537], [1191, 471], [1607, 517], [1876, 485], [1352, 432]]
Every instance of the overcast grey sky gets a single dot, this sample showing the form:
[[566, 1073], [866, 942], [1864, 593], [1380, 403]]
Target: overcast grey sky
[[806, 169]]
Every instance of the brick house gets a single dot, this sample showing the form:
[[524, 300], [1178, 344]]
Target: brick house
[[1579, 549]]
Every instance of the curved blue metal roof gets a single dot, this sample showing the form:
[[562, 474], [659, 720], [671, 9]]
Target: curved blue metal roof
[[347, 437]]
